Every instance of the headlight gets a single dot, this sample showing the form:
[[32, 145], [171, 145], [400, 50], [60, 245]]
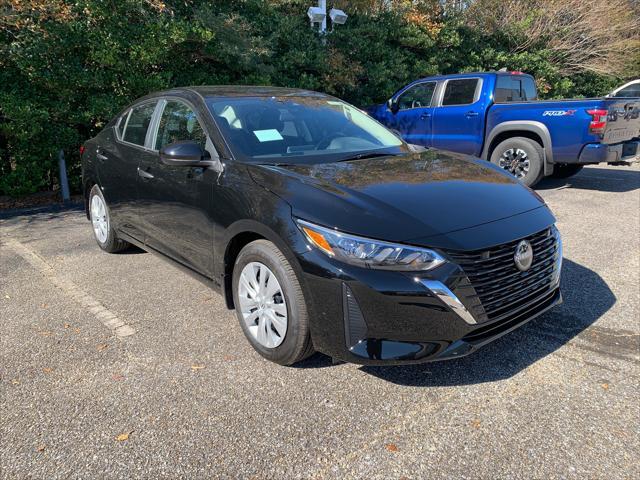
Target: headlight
[[368, 253]]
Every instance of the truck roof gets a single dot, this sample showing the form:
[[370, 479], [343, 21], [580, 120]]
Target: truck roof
[[472, 74]]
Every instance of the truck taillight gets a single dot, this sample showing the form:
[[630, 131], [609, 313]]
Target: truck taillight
[[82, 150], [598, 121]]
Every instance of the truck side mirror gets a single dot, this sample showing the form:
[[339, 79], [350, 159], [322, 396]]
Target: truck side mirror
[[392, 104]]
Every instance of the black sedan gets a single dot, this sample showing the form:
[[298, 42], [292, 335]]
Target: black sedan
[[321, 228]]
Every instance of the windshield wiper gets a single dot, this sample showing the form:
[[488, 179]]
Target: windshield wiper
[[361, 156]]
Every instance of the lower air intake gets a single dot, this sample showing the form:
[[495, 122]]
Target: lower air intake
[[354, 324]]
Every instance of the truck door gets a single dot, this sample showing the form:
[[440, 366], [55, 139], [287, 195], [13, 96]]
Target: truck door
[[414, 113], [458, 120]]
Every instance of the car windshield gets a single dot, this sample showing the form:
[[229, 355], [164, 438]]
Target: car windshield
[[299, 129]]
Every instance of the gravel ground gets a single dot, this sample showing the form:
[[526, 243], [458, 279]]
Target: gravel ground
[[117, 366]]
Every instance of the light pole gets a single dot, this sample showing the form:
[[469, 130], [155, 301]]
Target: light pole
[[319, 15]]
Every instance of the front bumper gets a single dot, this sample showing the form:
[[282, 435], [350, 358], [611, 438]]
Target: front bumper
[[627, 152], [384, 317]]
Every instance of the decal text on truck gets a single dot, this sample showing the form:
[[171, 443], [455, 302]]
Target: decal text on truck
[[557, 113]]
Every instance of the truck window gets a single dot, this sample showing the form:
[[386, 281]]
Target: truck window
[[529, 87], [417, 96], [511, 88], [460, 92]]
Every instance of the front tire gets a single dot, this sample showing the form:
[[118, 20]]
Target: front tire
[[566, 170], [270, 305], [522, 157], [103, 230]]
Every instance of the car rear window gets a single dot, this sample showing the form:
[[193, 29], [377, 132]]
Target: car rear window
[[511, 88], [460, 92], [138, 124]]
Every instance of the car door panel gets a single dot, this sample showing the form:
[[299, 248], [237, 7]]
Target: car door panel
[[117, 162], [174, 203]]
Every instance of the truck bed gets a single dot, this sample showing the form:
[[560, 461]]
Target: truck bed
[[568, 121]]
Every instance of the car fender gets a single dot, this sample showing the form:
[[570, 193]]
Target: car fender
[[288, 248]]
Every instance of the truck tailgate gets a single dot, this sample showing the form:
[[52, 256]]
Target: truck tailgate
[[623, 120]]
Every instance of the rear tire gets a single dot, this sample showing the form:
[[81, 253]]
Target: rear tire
[[522, 157], [272, 314], [566, 170], [103, 231]]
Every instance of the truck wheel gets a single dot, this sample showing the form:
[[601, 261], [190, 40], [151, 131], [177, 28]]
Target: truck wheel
[[566, 170], [522, 157]]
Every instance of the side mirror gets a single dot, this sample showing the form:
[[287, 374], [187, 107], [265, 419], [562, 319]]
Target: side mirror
[[392, 104], [185, 153]]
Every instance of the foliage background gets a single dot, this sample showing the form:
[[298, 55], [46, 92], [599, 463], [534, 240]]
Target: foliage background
[[66, 67]]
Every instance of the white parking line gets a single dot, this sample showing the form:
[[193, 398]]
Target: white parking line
[[108, 319]]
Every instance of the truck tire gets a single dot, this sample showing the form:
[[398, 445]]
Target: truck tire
[[566, 170], [522, 157]]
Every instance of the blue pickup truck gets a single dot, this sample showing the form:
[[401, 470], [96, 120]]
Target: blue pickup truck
[[496, 116]]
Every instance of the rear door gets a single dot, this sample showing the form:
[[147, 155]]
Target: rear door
[[458, 119], [118, 160], [174, 201], [415, 113]]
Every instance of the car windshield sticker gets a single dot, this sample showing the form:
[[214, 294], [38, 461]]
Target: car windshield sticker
[[268, 135]]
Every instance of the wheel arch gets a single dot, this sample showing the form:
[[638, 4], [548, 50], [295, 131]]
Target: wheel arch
[[533, 130], [86, 191], [239, 235]]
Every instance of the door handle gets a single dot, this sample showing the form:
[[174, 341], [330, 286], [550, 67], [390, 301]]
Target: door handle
[[471, 114], [424, 116], [101, 157], [144, 174]]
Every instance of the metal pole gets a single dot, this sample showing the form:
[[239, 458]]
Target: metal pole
[[323, 5], [64, 182]]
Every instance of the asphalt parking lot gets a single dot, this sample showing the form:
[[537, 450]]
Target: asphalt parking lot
[[117, 366]]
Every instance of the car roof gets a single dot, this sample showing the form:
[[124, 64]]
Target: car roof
[[242, 91], [637, 80]]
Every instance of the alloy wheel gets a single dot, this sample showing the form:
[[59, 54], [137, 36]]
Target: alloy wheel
[[516, 162], [99, 218], [262, 304]]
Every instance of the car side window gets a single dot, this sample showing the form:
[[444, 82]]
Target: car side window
[[138, 124], [460, 92], [630, 91], [122, 121], [419, 95], [179, 122]]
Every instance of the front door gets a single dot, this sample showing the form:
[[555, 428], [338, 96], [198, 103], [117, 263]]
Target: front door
[[414, 113], [174, 202]]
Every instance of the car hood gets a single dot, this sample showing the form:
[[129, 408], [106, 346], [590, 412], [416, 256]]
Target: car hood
[[399, 198]]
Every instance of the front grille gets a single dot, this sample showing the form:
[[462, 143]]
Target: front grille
[[500, 291]]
